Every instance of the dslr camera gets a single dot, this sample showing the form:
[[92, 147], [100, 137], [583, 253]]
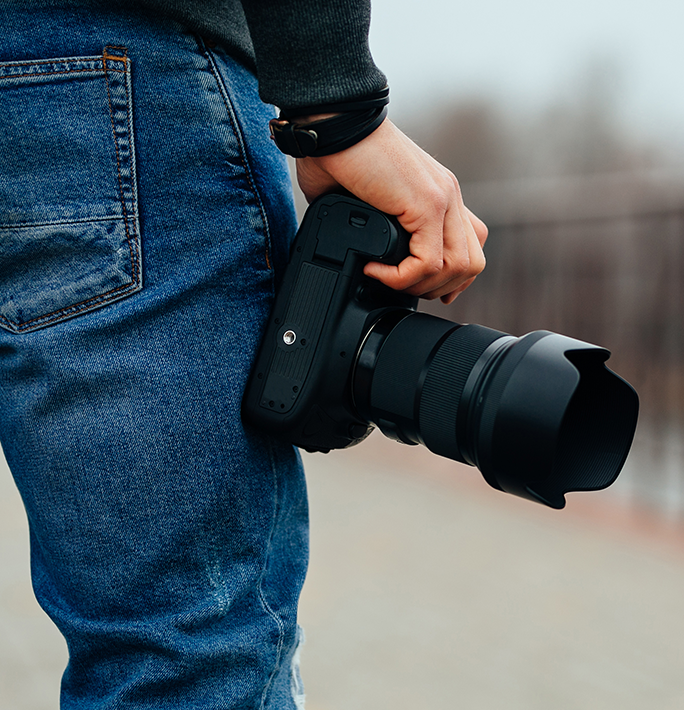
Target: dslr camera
[[539, 415]]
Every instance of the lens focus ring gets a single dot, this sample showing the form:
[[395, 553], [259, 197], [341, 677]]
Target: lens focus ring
[[443, 388]]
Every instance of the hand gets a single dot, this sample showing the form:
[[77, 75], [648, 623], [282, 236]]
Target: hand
[[390, 172]]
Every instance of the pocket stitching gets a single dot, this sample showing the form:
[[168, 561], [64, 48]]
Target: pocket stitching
[[66, 312], [58, 222], [93, 66], [135, 265]]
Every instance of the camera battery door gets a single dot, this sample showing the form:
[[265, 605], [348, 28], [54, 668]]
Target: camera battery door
[[348, 224]]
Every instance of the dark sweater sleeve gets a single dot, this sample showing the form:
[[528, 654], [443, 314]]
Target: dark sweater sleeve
[[311, 52]]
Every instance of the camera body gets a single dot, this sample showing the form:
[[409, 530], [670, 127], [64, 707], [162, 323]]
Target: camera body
[[540, 415], [300, 386]]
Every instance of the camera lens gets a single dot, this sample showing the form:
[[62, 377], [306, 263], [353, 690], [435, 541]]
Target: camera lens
[[539, 415]]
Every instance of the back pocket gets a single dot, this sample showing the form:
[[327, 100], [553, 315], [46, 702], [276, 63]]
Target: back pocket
[[69, 234]]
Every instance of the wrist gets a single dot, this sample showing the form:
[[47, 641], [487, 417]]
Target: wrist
[[324, 130]]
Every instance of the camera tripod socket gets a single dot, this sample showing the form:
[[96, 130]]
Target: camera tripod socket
[[289, 337]]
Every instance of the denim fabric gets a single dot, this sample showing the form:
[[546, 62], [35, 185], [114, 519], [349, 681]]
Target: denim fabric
[[144, 218], [70, 234]]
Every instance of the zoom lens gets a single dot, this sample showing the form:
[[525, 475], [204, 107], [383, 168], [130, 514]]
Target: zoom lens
[[539, 415]]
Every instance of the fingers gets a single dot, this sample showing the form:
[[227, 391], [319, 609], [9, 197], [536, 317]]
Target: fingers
[[426, 259], [390, 172], [464, 258], [479, 226], [446, 256]]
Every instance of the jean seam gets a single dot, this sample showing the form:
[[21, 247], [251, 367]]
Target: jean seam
[[92, 65], [60, 222], [53, 61], [92, 68], [118, 143], [262, 598], [237, 130], [57, 71]]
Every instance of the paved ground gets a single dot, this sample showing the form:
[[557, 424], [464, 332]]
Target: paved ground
[[32, 653], [429, 590]]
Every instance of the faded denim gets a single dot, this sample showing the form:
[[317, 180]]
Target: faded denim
[[144, 218]]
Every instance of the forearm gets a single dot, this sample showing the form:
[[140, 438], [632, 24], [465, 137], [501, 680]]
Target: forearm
[[313, 54]]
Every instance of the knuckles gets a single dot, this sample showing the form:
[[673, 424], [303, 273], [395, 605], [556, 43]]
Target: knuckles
[[481, 231], [432, 267], [467, 267], [477, 264]]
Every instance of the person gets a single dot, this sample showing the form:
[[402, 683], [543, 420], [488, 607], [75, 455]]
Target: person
[[145, 216]]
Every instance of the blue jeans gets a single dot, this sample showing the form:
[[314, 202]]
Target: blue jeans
[[144, 218]]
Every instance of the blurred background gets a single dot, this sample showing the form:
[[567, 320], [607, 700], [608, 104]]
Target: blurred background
[[565, 125]]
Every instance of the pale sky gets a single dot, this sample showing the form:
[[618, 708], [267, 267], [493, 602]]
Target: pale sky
[[531, 52]]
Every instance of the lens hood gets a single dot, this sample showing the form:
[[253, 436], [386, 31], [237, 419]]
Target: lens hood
[[548, 417]]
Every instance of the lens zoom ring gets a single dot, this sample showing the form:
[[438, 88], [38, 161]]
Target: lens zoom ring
[[444, 383]]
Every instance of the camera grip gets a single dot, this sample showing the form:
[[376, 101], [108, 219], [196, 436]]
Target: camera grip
[[349, 224], [299, 386]]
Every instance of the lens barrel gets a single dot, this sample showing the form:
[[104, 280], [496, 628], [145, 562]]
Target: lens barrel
[[539, 415]]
